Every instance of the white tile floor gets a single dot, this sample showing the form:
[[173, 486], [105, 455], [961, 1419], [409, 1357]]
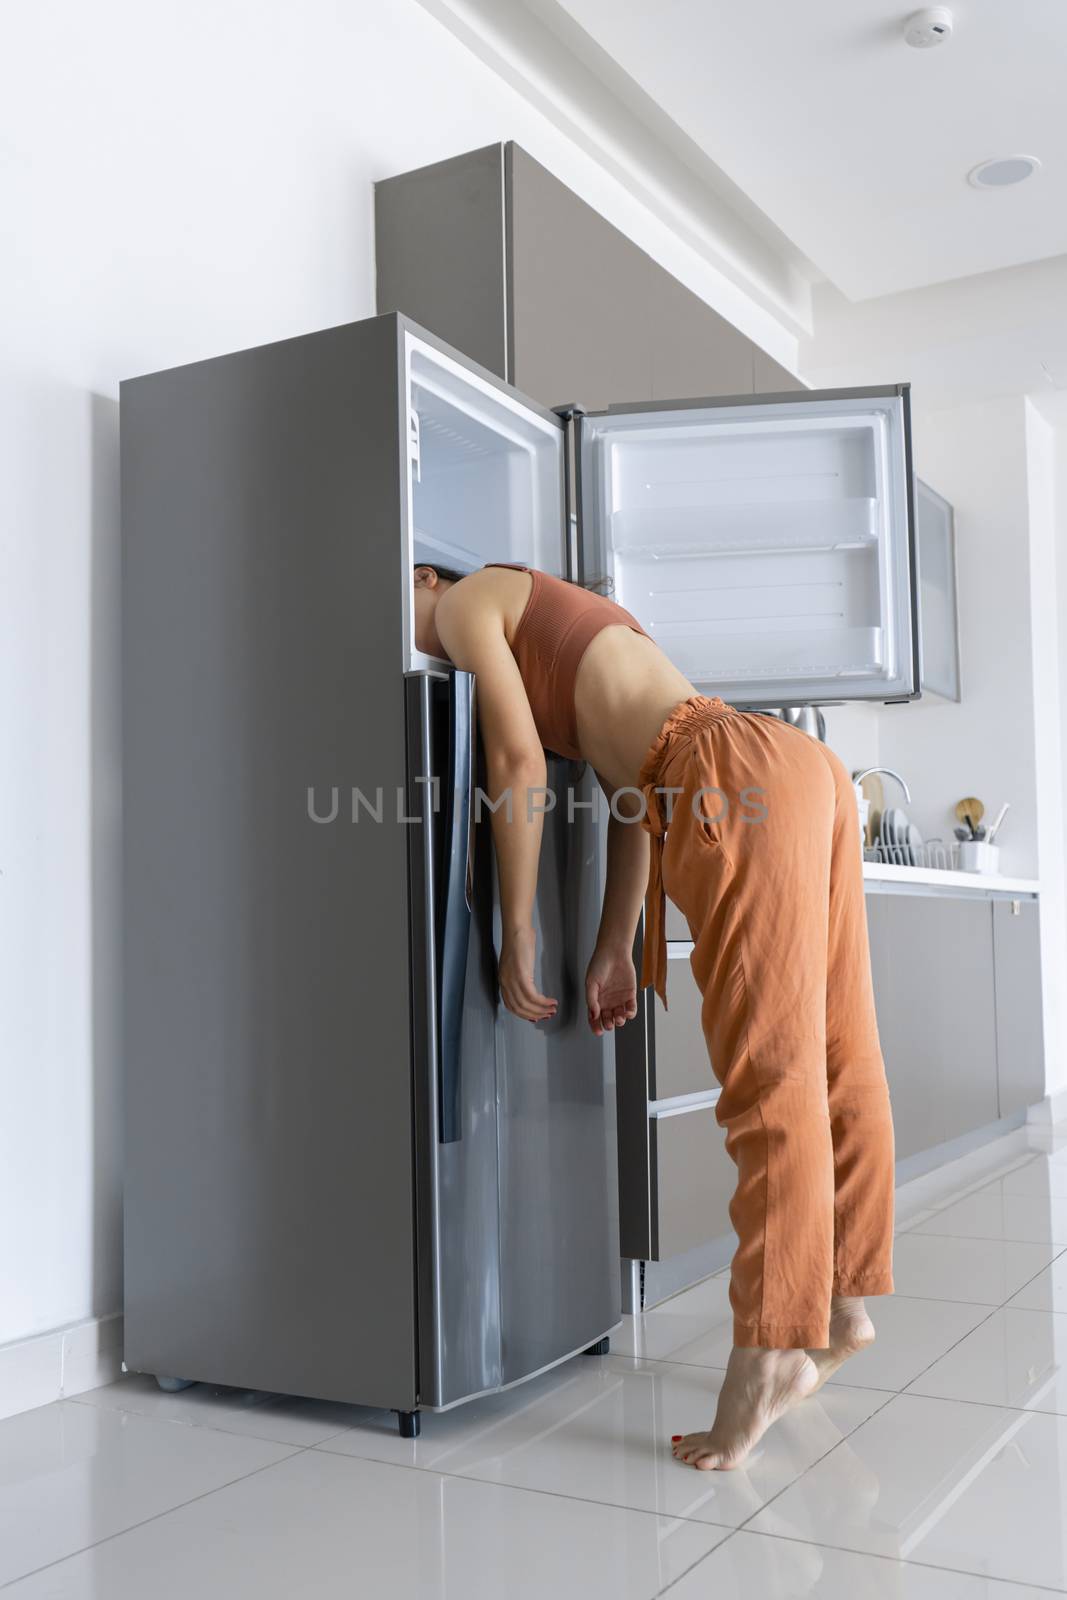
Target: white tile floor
[[934, 1465]]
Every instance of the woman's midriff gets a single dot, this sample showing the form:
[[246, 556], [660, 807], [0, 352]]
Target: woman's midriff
[[624, 691]]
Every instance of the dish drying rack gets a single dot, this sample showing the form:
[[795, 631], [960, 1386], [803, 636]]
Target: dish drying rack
[[943, 854]]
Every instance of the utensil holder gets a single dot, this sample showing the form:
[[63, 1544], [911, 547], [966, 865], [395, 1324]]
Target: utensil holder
[[976, 855]]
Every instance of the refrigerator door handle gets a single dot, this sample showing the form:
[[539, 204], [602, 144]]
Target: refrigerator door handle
[[454, 909]]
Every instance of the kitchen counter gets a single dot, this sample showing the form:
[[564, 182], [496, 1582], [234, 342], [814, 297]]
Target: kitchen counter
[[883, 877]]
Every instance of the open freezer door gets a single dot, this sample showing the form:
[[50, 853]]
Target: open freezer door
[[484, 478], [767, 543]]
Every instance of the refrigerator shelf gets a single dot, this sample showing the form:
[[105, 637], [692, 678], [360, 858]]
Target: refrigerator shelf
[[662, 533], [431, 549], [785, 656]]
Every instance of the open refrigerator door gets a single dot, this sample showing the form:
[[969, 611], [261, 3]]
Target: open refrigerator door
[[767, 544]]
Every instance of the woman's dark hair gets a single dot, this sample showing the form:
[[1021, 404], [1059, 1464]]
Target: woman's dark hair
[[451, 575]]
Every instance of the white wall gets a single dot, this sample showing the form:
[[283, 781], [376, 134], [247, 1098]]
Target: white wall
[[1058, 973], [178, 181], [976, 456], [1049, 639]]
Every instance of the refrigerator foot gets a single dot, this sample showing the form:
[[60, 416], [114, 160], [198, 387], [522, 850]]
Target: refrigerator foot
[[410, 1422], [601, 1348], [172, 1385]]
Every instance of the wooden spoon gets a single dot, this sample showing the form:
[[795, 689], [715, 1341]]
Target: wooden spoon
[[872, 788], [970, 811]]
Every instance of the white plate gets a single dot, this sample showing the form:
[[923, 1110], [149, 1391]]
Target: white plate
[[894, 833]]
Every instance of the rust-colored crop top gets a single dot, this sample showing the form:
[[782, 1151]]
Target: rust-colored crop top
[[553, 635]]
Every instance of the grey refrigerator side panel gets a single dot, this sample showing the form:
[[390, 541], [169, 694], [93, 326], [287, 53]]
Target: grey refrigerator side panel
[[559, 1225], [439, 246], [269, 1164]]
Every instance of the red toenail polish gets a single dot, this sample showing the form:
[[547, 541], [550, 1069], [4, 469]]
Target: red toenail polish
[[675, 1437]]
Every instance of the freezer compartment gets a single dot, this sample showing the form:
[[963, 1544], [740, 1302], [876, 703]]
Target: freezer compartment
[[484, 472], [767, 545]]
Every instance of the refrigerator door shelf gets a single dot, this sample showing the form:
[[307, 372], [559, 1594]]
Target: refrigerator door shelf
[[684, 531], [484, 473], [792, 655], [766, 543]]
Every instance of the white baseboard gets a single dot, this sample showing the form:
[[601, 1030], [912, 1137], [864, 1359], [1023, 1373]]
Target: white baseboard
[[54, 1365], [1050, 1110]]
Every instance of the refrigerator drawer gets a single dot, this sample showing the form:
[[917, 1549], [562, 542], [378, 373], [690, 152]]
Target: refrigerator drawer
[[694, 1180], [681, 1064]]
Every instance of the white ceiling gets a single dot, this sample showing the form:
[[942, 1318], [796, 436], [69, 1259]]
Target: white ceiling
[[854, 145]]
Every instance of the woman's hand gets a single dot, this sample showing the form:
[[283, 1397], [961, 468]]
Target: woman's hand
[[611, 988], [518, 990]]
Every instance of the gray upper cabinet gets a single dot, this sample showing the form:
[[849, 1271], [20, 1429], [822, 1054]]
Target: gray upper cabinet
[[439, 244], [573, 283], [501, 259], [695, 352], [771, 377]]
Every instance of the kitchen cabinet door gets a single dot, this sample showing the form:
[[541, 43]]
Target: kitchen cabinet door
[[910, 1063], [681, 1064], [693, 1180], [967, 1022], [440, 247], [1020, 1033], [695, 352], [766, 544], [932, 961], [579, 328], [770, 377]]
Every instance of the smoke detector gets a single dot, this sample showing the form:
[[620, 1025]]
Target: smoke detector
[[929, 27], [1002, 171]]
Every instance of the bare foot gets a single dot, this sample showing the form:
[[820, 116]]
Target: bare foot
[[760, 1385], [851, 1329]]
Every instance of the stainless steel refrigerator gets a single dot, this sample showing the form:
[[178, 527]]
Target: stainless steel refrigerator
[[350, 1173]]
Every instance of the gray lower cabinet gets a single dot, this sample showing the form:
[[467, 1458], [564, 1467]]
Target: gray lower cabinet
[[1020, 1033], [680, 1063], [958, 987], [693, 1180]]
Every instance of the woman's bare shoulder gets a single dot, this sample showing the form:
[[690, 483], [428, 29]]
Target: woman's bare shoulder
[[490, 592]]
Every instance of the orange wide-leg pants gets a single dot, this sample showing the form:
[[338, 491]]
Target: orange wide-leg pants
[[755, 837]]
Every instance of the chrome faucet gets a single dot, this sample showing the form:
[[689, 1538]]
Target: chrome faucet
[[858, 777]]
